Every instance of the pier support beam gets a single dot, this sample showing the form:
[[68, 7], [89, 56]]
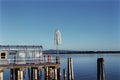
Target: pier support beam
[[11, 74], [36, 74], [16, 74], [46, 73], [1, 75], [100, 69], [20, 74]]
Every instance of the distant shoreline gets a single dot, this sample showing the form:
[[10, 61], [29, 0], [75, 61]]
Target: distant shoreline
[[84, 52]]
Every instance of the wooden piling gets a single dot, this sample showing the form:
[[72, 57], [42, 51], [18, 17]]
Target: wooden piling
[[29, 74], [46, 73], [16, 74], [58, 73], [20, 74], [32, 73], [11, 74], [72, 71], [100, 69], [1, 75], [69, 70], [64, 74], [55, 75], [50, 73]]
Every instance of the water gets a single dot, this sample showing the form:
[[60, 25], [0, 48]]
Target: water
[[85, 66]]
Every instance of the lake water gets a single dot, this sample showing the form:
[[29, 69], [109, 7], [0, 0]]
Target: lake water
[[85, 66]]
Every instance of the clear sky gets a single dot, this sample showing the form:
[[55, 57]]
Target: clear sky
[[84, 24]]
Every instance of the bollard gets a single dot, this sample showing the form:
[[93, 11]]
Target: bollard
[[100, 69]]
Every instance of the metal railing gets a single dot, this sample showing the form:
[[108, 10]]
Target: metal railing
[[28, 60]]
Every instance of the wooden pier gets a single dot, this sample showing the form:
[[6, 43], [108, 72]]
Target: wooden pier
[[17, 71]]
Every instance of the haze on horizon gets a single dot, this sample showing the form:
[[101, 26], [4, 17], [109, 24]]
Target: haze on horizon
[[84, 24]]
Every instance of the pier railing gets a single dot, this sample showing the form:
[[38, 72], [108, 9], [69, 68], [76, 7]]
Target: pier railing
[[28, 60]]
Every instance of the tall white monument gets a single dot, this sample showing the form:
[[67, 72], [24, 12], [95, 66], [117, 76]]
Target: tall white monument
[[57, 39]]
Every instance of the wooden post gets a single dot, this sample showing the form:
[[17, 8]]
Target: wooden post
[[100, 69], [36, 72], [58, 73], [11, 74], [69, 70], [72, 71], [20, 74], [64, 74], [55, 75], [50, 73], [16, 74], [24, 74], [1, 75], [28, 73], [46, 73], [32, 73]]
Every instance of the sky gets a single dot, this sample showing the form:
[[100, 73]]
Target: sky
[[84, 24]]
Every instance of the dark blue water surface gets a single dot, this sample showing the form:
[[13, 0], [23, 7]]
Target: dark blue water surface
[[85, 66]]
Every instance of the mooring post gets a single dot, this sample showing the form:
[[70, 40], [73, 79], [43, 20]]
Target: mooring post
[[24, 74], [69, 69], [58, 73], [55, 75], [64, 74], [100, 69], [16, 73], [50, 73], [36, 74], [46, 73], [29, 73], [72, 71], [11, 74], [1, 75], [32, 73], [20, 74]]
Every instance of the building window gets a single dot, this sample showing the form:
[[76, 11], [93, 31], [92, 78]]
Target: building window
[[3, 55]]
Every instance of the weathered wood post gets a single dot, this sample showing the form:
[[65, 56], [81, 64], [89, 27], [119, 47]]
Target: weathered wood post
[[55, 75], [32, 70], [64, 74], [46, 73], [36, 73], [16, 73], [69, 69], [72, 71], [20, 74], [11, 74], [50, 73], [1, 75], [29, 73], [100, 69]]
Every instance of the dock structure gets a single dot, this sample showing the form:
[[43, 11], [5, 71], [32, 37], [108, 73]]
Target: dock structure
[[19, 58]]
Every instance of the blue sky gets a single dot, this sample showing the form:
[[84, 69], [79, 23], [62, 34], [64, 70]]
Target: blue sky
[[84, 24]]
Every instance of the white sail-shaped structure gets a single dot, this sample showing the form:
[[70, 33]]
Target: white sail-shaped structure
[[57, 37]]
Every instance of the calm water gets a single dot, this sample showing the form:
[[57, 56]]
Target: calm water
[[85, 66]]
